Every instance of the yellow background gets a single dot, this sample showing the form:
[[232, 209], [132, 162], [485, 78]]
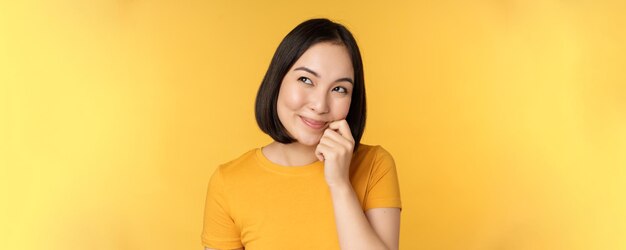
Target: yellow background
[[507, 119]]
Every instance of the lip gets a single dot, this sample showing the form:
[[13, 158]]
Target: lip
[[313, 123]]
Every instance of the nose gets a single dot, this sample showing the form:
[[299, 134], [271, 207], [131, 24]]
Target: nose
[[318, 102]]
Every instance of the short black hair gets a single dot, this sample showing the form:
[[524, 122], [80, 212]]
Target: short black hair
[[301, 38]]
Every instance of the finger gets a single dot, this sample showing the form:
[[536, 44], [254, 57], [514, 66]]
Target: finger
[[337, 139], [320, 150], [319, 156], [342, 127], [330, 149]]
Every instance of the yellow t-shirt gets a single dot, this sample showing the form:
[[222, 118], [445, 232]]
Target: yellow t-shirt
[[257, 204]]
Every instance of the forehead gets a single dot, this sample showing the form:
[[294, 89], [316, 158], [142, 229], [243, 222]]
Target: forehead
[[327, 59]]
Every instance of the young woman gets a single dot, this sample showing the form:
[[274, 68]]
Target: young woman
[[315, 186]]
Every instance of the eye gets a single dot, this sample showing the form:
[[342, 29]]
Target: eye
[[305, 80], [341, 90]]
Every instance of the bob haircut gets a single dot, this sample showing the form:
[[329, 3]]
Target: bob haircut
[[288, 52]]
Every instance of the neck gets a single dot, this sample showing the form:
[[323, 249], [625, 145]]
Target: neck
[[293, 154]]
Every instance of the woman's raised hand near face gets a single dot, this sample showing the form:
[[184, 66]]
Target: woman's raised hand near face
[[335, 150]]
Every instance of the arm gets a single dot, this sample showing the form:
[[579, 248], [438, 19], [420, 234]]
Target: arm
[[353, 229], [355, 232], [386, 223], [219, 230]]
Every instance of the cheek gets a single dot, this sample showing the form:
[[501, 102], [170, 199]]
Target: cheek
[[341, 109], [290, 98]]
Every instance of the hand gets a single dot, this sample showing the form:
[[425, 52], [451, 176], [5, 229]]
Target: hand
[[335, 150]]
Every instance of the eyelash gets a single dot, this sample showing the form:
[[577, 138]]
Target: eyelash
[[304, 79]]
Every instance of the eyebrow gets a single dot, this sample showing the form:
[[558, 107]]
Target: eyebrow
[[345, 79]]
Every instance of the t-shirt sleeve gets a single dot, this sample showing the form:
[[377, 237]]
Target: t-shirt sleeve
[[219, 229], [383, 188]]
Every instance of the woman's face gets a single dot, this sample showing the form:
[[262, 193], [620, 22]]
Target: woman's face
[[316, 90]]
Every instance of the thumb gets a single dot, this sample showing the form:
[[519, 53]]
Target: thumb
[[319, 155]]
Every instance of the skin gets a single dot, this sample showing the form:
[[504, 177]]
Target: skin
[[318, 87]]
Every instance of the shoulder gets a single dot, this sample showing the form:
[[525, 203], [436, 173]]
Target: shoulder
[[373, 152], [227, 174], [371, 159], [237, 164]]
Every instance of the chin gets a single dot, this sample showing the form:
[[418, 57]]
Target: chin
[[309, 140]]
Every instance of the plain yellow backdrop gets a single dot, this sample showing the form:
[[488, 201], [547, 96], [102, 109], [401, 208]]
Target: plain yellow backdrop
[[507, 119]]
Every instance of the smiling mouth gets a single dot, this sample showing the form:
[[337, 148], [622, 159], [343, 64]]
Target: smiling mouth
[[313, 123]]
